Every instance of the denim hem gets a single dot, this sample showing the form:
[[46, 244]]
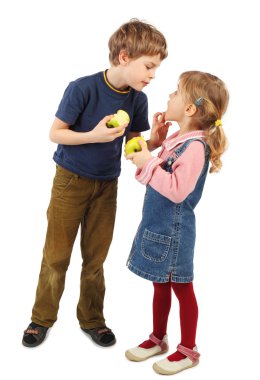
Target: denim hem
[[148, 276], [180, 279]]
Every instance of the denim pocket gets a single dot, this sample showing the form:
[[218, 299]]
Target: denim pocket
[[155, 247]]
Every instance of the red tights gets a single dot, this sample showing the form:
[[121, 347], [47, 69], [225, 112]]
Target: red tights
[[188, 314]]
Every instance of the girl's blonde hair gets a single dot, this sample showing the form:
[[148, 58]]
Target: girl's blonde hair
[[137, 38], [210, 95]]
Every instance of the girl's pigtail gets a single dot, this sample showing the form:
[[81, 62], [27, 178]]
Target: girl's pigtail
[[210, 96], [217, 142]]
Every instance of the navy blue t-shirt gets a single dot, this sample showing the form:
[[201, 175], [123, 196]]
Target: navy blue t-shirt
[[85, 102]]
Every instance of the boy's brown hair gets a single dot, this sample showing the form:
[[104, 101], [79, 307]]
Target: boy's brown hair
[[137, 38]]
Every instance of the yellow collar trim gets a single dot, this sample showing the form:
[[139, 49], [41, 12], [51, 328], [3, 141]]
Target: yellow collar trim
[[112, 88]]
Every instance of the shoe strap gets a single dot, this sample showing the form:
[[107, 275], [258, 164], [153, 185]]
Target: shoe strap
[[191, 354], [159, 342]]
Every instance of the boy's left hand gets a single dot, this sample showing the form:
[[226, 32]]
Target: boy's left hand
[[140, 158]]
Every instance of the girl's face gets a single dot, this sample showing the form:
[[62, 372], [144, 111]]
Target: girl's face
[[175, 107]]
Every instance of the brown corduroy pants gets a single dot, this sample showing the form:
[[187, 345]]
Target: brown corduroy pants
[[76, 201]]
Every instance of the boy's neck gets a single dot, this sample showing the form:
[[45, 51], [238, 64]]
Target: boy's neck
[[115, 78]]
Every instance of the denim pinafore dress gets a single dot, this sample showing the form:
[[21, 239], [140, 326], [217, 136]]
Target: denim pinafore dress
[[163, 247]]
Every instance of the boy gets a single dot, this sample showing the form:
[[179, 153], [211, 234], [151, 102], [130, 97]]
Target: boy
[[85, 185]]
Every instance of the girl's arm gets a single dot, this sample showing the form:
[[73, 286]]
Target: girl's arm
[[158, 132], [178, 185]]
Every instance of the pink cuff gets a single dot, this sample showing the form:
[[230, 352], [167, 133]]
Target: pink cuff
[[159, 342], [144, 175], [191, 354]]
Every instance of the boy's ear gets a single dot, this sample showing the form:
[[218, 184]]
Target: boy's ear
[[190, 109], [123, 58]]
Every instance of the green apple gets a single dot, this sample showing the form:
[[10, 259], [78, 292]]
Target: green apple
[[119, 118], [133, 145]]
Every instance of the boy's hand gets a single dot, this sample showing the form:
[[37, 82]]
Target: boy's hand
[[140, 158], [159, 130], [101, 133]]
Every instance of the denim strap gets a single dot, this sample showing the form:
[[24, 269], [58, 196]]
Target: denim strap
[[178, 152]]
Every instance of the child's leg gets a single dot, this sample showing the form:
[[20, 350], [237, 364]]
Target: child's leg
[[96, 234], [188, 317], [161, 309], [64, 215]]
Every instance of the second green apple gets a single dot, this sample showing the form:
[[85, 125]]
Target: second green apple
[[133, 145]]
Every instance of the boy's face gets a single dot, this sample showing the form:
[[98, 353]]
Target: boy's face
[[139, 72]]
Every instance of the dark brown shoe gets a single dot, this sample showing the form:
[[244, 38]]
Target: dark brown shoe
[[103, 336], [34, 335]]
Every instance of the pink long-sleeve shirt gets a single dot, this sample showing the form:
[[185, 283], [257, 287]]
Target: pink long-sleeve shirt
[[177, 185]]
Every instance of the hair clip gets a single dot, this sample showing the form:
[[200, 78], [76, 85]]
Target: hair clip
[[218, 122], [199, 101]]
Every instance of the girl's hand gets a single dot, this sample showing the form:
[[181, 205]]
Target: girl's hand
[[159, 130], [140, 158]]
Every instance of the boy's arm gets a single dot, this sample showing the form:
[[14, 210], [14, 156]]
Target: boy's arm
[[131, 135], [60, 133]]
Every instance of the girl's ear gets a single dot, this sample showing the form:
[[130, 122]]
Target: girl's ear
[[123, 58], [190, 109]]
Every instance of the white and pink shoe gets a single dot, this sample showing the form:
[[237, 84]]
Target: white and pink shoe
[[165, 367], [138, 354]]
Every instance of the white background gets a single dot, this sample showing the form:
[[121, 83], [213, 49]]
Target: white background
[[44, 45]]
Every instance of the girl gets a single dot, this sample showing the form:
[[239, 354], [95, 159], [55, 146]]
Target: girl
[[163, 247]]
